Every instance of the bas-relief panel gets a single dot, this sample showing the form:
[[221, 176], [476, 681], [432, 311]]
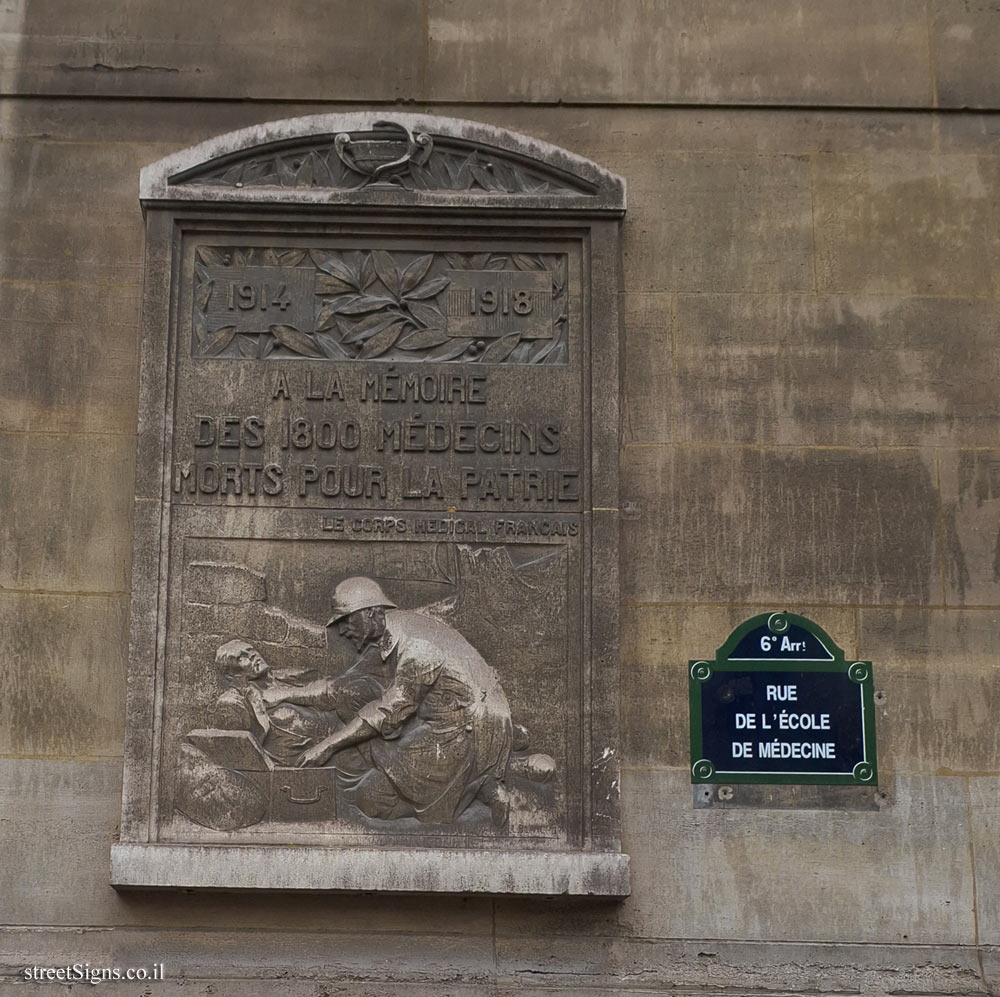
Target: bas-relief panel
[[477, 747]]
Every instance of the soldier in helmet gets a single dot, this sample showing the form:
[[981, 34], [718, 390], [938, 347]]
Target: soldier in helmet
[[440, 734]]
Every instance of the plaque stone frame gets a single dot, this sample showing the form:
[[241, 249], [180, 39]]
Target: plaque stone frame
[[380, 361]]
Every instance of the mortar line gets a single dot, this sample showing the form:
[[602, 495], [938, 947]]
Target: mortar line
[[975, 898], [646, 940], [930, 54], [674, 389], [29, 757], [812, 214], [103, 283], [118, 435], [257, 929], [64, 593], [496, 955], [408, 103], [942, 546], [849, 293], [426, 53], [820, 447]]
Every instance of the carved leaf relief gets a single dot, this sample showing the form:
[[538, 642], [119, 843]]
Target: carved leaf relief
[[389, 156], [255, 303]]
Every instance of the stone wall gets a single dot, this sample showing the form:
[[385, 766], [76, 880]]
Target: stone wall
[[812, 295]]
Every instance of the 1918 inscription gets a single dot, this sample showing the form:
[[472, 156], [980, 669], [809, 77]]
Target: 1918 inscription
[[490, 303]]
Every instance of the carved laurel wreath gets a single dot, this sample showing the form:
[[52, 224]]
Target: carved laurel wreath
[[417, 165], [376, 304]]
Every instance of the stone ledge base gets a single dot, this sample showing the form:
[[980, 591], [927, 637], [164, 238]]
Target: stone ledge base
[[389, 870]]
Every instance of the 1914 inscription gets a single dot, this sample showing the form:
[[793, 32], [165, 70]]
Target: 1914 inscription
[[252, 299]]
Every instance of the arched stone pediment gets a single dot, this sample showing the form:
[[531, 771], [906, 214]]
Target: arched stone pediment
[[383, 158]]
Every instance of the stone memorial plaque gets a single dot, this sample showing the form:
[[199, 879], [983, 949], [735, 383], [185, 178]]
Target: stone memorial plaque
[[780, 705], [375, 584]]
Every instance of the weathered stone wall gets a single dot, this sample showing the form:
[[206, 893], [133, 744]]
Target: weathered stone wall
[[812, 296]]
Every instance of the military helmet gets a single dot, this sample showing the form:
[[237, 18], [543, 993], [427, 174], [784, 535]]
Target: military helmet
[[357, 593]]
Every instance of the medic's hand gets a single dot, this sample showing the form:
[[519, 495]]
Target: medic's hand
[[317, 754], [273, 695]]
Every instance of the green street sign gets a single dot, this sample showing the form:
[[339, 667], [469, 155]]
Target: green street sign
[[780, 704]]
